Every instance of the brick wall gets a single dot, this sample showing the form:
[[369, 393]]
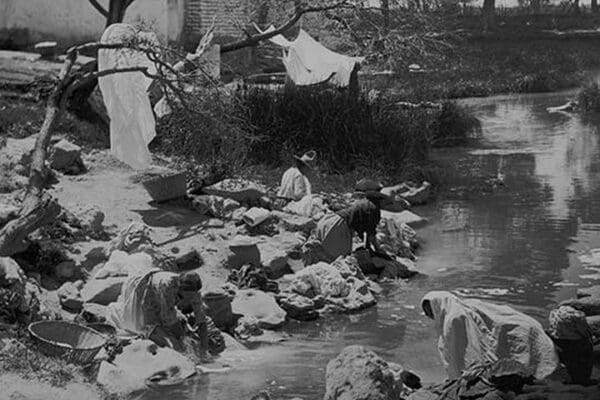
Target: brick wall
[[199, 15]]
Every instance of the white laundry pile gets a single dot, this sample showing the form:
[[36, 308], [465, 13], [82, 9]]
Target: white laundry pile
[[307, 62], [132, 124]]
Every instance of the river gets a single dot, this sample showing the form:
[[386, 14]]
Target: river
[[517, 244]]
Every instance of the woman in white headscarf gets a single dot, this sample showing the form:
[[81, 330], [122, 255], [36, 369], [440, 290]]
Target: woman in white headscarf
[[473, 331]]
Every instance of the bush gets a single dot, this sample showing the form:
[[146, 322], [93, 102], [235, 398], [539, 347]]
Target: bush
[[454, 124], [589, 98]]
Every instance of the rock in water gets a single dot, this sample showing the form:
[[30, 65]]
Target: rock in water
[[144, 364], [589, 305], [359, 374], [593, 291], [298, 307], [259, 305], [66, 157]]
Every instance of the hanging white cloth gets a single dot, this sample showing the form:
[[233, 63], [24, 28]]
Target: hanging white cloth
[[132, 124], [308, 62], [475, 331]]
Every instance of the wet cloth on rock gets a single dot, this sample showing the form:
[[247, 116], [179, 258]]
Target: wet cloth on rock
[[335, 236], [294, 185], [132, 125], [475, 331]]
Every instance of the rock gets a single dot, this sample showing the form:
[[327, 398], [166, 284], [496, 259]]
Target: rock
[[594, 323], [274, 260], [256, 304], [216, 206], [242, 251], [69, 296], [143, 364], [593, 291], [66, 270], [66, 157], [218, 305], [94, 313], [121, 264], [418, 195], [402, 268], [189, 260], [240, 190], [298, 307], [359, 374], [17, 152], [255, 216], [103, 291], [589, 305], [405, 217], [359, 298], [248, 326], [134, 237], [295, 223], [7, 213], [91, 219]]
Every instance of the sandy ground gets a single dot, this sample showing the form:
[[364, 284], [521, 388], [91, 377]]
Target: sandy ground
[[16, 388]]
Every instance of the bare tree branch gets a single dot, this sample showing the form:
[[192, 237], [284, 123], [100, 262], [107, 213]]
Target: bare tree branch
[[299, 11], [99, 7]]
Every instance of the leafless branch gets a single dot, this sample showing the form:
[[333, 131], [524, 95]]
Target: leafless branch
[[99, 7]]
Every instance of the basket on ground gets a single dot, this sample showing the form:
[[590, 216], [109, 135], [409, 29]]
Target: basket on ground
[[72, 342], [167, 186]]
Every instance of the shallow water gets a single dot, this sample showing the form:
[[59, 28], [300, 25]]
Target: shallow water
[[518, 244]]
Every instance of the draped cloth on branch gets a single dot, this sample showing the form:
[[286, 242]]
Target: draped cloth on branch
[[132, 124], [473, 331], [308, 62]]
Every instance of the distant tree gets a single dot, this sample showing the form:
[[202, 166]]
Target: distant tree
[[116, 10], [488, 14], [595, 6]]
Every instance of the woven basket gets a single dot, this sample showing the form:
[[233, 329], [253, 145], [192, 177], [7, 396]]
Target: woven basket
[[166, 187], [72, 342]]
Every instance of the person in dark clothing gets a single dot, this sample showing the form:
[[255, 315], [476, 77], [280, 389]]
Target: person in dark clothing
[[335, 231]]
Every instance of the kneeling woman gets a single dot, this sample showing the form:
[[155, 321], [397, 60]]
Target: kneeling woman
[[335, 231]]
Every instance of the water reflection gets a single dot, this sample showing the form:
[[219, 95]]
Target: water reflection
[[516, 244]]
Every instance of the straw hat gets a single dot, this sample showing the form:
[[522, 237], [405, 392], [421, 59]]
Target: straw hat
[[308, 159], [371, 189]]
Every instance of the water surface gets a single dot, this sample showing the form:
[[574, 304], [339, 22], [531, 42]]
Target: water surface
[[516, 244]]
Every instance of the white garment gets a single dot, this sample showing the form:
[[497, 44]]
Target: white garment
[[132, 124], [294, 185], [308, 62], [474, 331]]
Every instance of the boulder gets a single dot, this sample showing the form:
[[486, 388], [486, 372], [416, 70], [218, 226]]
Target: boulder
[[188, 260], [592, 291], [359, 374], [66, 270], [255, 216], [594, 323], [295, 223], [298, 307], [256, 304], [94, 313], [66, 157], [91, 219], [7, 213], [242, 251], [240, 190], [69, 295], [103, 291], [401, 268], [405, 217], [143, 364], [274, 260], [589, 305]]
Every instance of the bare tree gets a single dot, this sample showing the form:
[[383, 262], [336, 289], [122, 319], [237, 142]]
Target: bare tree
[[116, 10]]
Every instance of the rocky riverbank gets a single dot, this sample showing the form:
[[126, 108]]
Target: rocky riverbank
[[252, 261]]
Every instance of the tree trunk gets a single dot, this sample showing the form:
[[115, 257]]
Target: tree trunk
[[488, 14], [116, 11], [385, 11], [594, 6]]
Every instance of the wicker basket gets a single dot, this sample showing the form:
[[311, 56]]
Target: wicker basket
[[72, 342], [166, 187]]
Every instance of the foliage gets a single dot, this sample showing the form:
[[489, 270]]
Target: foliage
[[589, 97], [453, 123]]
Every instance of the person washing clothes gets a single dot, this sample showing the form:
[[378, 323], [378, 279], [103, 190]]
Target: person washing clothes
[[472, 331], [294, 182], [335, 231]]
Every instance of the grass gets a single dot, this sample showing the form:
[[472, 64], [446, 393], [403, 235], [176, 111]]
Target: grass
[[588, 98]]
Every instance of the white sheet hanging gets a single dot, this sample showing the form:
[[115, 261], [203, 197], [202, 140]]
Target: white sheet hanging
[[307, 62], [132, 124]]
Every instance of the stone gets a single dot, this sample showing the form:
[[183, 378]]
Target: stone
[[401, 268], [91, 219], [248, 326], [594, 323], [298, 307], [255, 216], [405, 217], [94, 313], [592, 291], [66, 157], [66, 270], [274, 260], [359, 374], [256, 304], [589, 305], [69, 295], [240, 190], [188, 260], [7, 213], [103, 291], [295, 223], [143, 364], [243, 250]]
